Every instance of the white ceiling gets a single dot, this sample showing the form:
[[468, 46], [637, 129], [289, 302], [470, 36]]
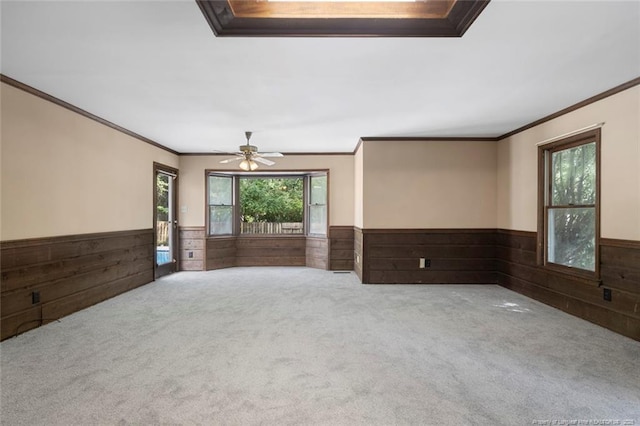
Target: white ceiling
[[155, 68]]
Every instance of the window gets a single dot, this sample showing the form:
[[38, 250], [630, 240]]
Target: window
[[569, 229], [271, 205], [318, 204], [275, 204], [220, 205]]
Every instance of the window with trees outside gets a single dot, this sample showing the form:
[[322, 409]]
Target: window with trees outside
[[271, 205], [220, 190], [285, 204], [569, 229]]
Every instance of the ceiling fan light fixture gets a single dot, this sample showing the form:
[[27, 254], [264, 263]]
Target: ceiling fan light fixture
[[248, 165]]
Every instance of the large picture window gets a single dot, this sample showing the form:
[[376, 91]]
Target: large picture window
[[283, 204], [271, 205], [569, 230]]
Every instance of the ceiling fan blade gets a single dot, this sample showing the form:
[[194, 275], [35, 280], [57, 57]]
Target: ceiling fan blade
[[270, 154], [231, 160], [263, 161]]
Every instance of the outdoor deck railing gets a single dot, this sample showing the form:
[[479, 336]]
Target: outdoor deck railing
[[271, 228]]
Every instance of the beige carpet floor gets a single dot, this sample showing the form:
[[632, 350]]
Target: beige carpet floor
[[298, 346]]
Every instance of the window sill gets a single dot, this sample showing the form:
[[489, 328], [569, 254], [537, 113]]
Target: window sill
[[271, 236], [589, 278], [220, 237]]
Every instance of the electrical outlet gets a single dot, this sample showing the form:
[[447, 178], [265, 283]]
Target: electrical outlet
[[427, 263], [35, 297], [190, 255], [606, 294]]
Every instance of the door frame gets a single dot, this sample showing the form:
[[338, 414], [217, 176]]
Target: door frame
[[171, 267]]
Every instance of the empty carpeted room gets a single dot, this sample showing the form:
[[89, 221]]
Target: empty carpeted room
[[320, 212]]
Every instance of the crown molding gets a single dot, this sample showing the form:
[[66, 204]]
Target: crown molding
[[427, 139], [47, 97], [615, 90], [286, 154]]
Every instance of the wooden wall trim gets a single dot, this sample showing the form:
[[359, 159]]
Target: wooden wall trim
[[612, 242], [340, 227], [39, 93], [429, 139], [297, 154], [516, 232], [428, 230], [613, 91], [68, 238], [44, 279]]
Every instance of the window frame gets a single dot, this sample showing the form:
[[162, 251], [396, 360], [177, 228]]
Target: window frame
[[236, 176], [254, 175], [308, 205], [544, 201], [234, 197]]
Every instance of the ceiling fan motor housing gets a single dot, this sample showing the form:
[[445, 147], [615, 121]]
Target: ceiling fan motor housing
[[248, 149]]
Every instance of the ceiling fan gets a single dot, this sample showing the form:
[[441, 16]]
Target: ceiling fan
[[251, 157]]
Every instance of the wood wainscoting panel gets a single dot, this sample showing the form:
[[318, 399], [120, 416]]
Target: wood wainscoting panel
[[271, 251], [267, 250], [192, 248], [317, 253], [358, 253], [452, 256], [620, 272], [341, 247], [220, 252], [44, 279], [620, 265]]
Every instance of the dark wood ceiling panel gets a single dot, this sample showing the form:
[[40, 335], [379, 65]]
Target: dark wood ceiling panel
[[434, 9], [256, 18]]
